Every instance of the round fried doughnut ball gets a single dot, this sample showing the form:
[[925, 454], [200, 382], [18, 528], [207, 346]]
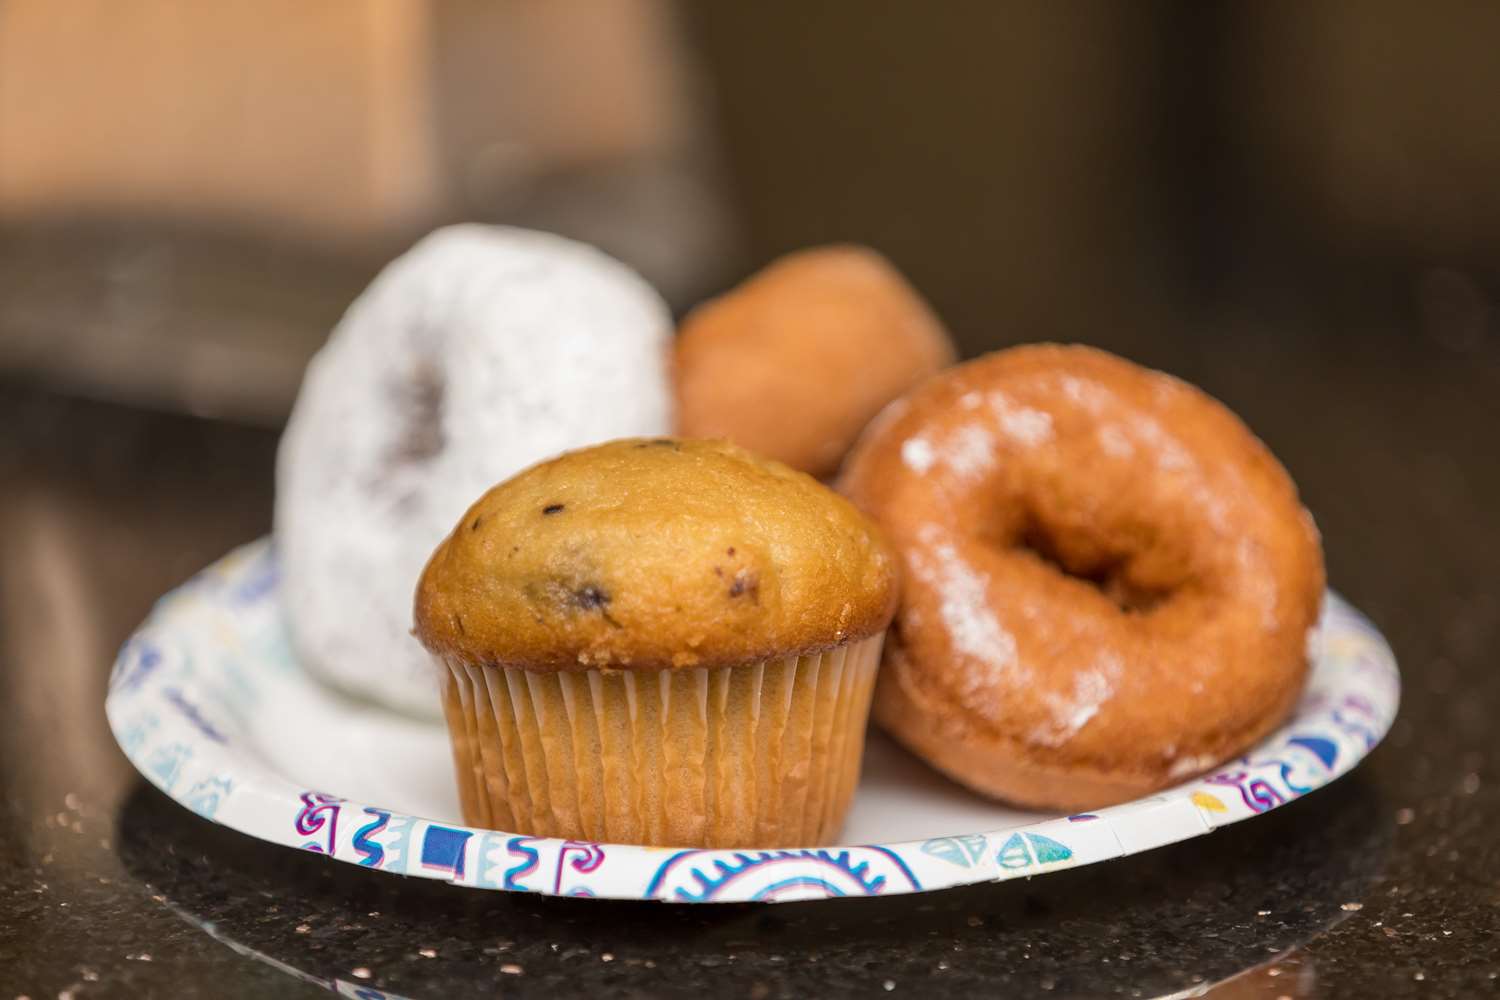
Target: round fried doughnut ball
[[794, 362]]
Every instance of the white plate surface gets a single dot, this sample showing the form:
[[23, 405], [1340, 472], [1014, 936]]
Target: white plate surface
[[208, 703]]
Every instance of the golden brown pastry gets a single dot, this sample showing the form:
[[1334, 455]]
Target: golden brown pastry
[[1109, 582], [794, 362], [662, 642]]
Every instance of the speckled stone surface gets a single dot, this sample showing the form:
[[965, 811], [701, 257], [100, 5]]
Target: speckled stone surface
[[1385, 884]]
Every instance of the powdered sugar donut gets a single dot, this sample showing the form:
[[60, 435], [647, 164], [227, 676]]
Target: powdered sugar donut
[[479, 352]]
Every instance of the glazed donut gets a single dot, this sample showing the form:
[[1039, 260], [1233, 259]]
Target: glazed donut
[[479, 352], [1109, 582], [794, 362]]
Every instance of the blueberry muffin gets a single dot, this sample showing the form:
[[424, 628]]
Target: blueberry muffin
[[660, 642]]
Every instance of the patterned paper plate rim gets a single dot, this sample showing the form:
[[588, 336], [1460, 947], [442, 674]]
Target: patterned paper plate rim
[[212, 650]]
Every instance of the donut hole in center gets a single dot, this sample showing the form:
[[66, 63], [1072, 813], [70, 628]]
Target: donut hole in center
[[417, 401], [1106, 568]]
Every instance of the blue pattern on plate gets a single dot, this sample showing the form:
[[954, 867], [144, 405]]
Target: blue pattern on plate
[[215, 652]]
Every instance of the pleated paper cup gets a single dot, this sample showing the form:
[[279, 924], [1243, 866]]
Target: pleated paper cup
[[758, 755]]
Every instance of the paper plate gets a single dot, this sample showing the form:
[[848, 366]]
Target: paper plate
[[208, 702]]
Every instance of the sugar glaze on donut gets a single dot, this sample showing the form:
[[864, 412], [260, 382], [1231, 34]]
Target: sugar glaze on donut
[[1109, 582]]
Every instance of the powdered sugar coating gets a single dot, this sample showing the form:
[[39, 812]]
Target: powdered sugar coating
[[969, 451], [917, 454], [476, 354], [990, 651], [1092, 690], [965, 607], [1021, 424], [1115, 442]]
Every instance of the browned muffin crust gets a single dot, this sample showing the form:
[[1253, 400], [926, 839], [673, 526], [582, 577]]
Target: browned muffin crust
[[1108, 581], [794, 362], [650, 554]]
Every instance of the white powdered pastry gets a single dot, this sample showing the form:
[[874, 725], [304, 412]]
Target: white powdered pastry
[[479, 352]]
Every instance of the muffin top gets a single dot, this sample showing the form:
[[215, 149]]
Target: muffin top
[[650, 553]]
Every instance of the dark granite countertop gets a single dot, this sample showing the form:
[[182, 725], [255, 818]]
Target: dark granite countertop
[[1385, 884]]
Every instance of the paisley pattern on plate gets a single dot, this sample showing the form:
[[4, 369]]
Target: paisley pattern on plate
[[214, 653]]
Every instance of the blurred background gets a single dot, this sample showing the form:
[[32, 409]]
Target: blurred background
[[190, 193], [1296, 206]]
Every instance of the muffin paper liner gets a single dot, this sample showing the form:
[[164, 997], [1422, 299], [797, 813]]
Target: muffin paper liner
[[758, 755]]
